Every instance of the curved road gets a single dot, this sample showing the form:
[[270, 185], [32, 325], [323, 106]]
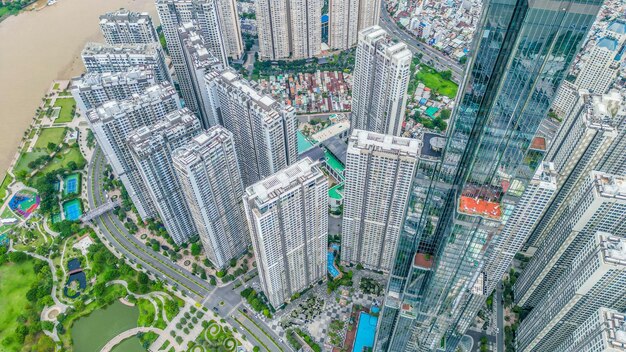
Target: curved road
[[164, 269], [133, 249], [430, 55]]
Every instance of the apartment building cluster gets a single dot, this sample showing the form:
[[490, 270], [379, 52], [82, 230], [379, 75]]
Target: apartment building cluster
[[224, 151], [289, 30], [442, 216]]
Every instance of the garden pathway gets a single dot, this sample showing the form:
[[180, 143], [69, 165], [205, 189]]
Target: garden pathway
[[132, 332], [61, 305]]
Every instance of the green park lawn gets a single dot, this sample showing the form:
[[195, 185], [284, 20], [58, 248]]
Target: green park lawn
[[53, 135], [63, 158], [5, 183], [25, 158], [433, 80], [15, 281], [146, 312], [67, 106]]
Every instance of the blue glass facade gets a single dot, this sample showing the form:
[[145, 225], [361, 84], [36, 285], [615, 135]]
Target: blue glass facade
[[522, 51]]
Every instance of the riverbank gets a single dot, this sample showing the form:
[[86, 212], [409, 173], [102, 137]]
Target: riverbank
[[39, 47]]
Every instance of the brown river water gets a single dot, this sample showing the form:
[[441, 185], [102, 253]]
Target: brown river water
[[37, 47]]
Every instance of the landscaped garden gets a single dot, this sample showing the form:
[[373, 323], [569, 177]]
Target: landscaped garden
[[52, 135], [68, 108], [214, 337], [256, 301], [25, 286]]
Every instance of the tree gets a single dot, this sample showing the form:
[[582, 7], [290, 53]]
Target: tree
[[195, 249], [447, 74], [143, 278], [31, 294], [233, 262], [51, 146], [17, 257], [21, 175], [445, 114]]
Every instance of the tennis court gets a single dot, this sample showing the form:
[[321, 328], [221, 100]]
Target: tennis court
[[73, 209], [71, 184]]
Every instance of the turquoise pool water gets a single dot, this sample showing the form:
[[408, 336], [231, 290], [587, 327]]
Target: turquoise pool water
[[365, 332], [331, 265]]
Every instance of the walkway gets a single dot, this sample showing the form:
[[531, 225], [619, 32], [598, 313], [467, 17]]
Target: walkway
[[61, 305], [132, 332]]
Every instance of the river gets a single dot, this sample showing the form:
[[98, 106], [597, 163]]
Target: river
[[40, 46]]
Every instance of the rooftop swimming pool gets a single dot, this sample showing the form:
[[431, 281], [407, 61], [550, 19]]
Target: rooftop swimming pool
[[365, 332]]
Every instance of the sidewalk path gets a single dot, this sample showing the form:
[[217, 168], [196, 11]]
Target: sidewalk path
[[130, 333]]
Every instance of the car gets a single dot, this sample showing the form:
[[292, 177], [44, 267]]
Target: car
[[215, 309], [245, 310]]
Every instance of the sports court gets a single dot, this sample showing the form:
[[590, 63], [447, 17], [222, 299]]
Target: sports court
[[73, 209], [71, 184], [24, 203]]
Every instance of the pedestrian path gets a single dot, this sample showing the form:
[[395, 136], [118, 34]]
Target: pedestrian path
[[130, 333]]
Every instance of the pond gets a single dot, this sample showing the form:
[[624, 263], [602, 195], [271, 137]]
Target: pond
[[91, 333], [76, 274]]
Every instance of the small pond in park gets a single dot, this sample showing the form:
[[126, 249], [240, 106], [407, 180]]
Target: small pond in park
[[92, 332], [76, 275]]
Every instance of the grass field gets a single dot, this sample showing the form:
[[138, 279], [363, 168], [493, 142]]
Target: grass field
[[25, 158], [433, 80], [5, 183], [146, 312], [15, 281], [50, 135], [67, 105]]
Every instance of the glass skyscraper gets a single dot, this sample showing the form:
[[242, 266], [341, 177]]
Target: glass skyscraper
[[461, 201]]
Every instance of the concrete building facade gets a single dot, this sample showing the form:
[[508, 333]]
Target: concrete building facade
[[127, 27], [287, 214], [348, 18], [121, 57], [381, 79], [93, 89], [595, 279], [378, 175], [111, 124], [264, 130], [209, 174], [289, 29], [151, 148]]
